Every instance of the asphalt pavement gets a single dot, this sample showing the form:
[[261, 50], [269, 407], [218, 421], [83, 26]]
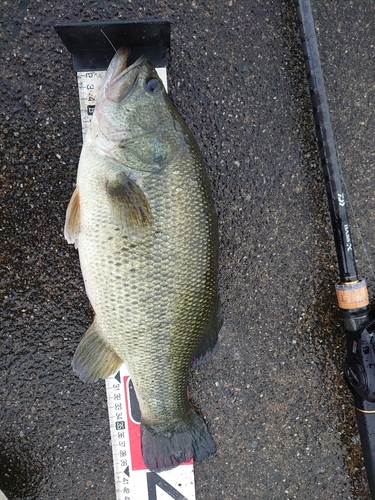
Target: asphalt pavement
[[273, 395]]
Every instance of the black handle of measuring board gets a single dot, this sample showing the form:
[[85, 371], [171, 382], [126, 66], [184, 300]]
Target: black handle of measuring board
[[360, 332], [326, 140]]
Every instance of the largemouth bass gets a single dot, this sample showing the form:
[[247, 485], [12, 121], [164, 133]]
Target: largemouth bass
[[143, 220]]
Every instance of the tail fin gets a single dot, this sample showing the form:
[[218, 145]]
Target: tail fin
[[164, 448]]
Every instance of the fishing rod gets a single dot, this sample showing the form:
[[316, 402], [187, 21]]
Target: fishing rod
[[351, 290]]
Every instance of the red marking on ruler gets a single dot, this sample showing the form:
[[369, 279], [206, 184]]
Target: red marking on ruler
[[134, 429]]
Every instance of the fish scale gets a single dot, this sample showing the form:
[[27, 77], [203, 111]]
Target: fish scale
[[162, 288], [156, 254], [143, 220]]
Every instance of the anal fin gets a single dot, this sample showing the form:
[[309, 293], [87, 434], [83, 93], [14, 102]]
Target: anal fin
[[94, 357]]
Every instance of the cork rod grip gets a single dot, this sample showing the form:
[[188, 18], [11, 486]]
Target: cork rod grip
[[352, 295]]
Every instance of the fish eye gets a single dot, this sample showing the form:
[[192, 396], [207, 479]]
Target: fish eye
[[152, 85]]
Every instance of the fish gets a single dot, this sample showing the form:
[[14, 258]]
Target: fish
[[143, 220]]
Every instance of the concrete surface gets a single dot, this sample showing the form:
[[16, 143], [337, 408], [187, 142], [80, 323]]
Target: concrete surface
[[273, 395]]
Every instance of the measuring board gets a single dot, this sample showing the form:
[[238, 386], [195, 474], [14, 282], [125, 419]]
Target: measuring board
[[133, 480]]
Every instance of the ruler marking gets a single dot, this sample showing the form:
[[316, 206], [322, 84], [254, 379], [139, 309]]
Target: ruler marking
[[119, 437], [177, 483]]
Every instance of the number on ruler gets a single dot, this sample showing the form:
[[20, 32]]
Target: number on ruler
[[120, 425]]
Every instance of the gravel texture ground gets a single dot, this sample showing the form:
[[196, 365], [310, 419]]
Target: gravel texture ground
[[273, 395]]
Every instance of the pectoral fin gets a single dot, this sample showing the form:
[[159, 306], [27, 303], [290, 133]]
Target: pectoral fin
[[72, 220], [94, 357], [130, 209]]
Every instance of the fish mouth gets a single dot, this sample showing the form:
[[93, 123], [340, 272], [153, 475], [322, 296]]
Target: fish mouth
[[120, 78]]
